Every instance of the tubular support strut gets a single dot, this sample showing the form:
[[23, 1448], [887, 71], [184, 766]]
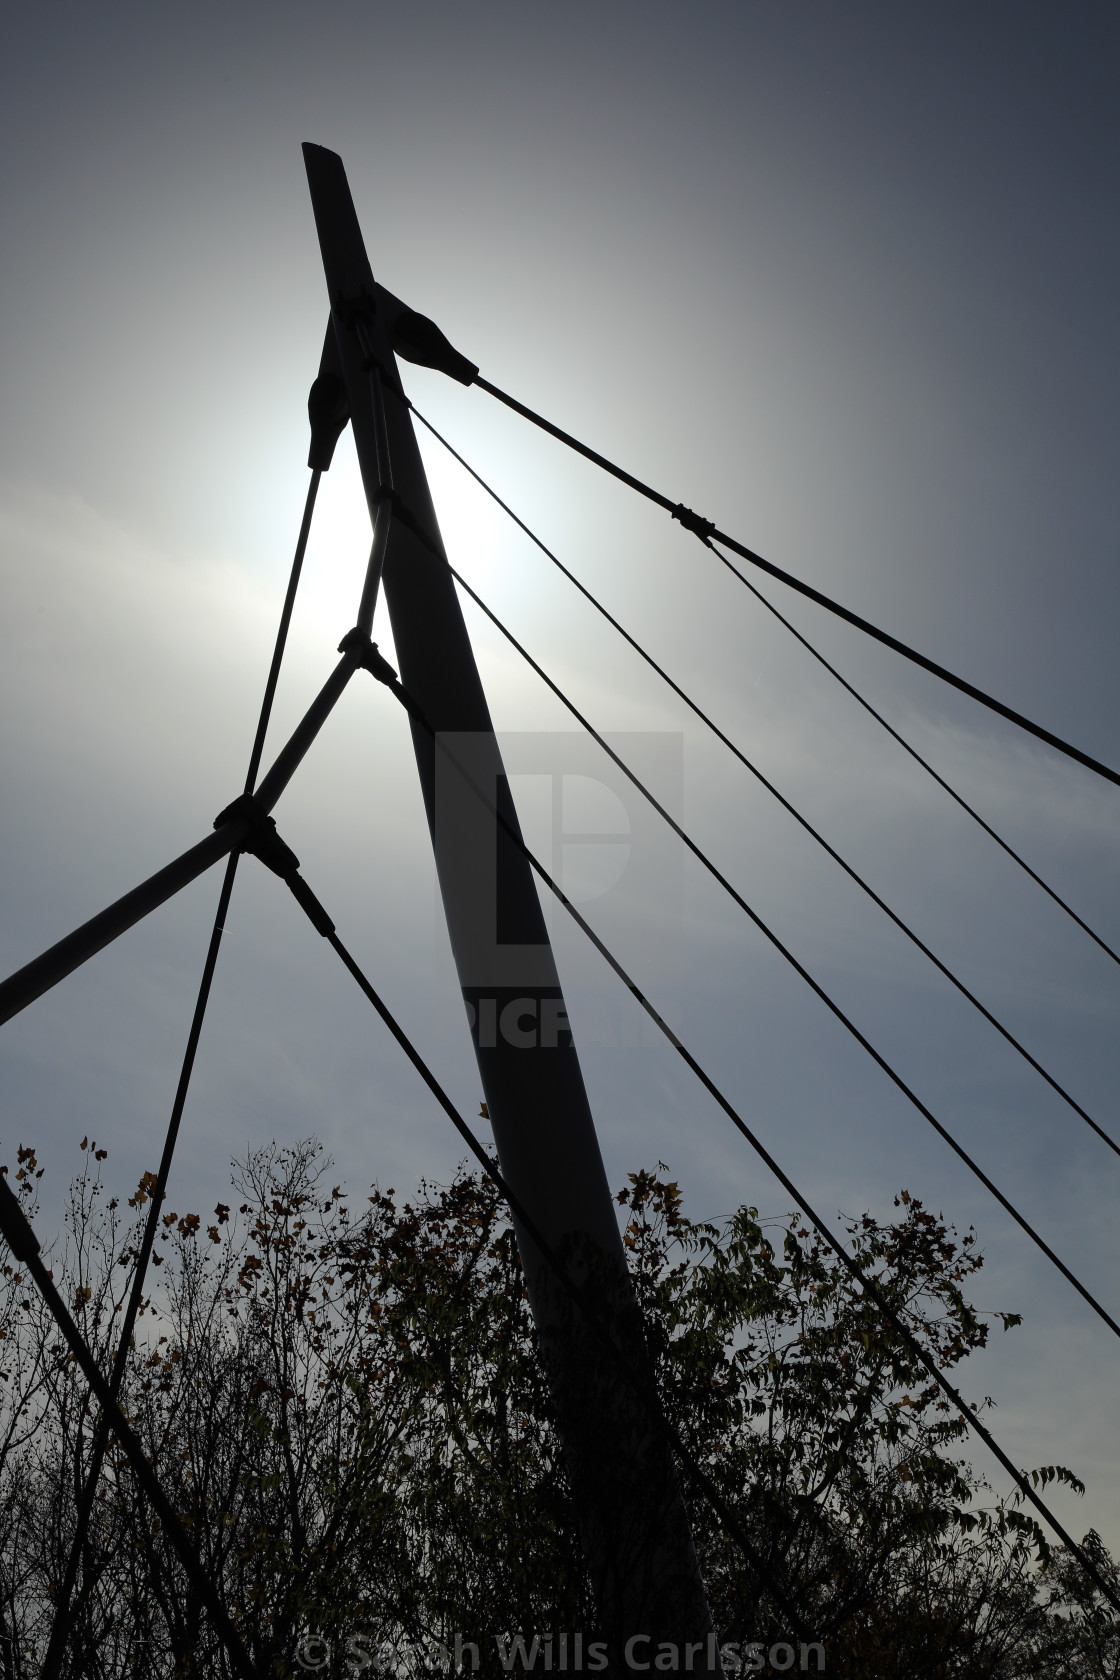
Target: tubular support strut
[[45, 971]]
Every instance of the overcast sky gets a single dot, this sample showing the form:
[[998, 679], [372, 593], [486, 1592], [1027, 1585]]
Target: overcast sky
[[842, 276]]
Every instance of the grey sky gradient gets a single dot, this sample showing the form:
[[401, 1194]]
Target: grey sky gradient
[[842, 277]]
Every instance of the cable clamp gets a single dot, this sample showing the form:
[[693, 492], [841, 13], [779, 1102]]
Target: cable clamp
[[264, 843], [694, 522]]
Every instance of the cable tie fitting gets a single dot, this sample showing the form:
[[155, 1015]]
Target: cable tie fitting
[[365, 655], [694, 522]]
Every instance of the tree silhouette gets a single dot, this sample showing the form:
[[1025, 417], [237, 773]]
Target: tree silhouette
[[346, 1406]]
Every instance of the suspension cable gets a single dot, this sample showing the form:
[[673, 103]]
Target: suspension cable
[[815, 985], [719, 733], [646, 1390], [384, 673], [917, 757], [24, 1244], [766, 783], [282, 632], [705, 529], [870, 1286], [61, 1623], [264, 842]]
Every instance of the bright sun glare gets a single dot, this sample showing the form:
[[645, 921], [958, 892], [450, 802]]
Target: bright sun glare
[[339, 545]]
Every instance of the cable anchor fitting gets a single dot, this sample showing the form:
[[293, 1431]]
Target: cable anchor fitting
[[694, 522], [264, 843], [328, 410], [419, 340]]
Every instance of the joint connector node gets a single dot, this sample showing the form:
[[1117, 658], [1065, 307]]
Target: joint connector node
[[694, 522], [364, 654], [262, 840]]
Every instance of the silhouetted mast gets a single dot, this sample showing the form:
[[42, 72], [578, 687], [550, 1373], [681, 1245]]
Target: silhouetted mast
[[638, 1546]]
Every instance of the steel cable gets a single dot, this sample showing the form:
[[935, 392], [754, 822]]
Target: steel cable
[[969, 1413], [705, 529], [24, 1245], [780, 797], [917, 757], [801, 970], [646, 1391], [719, 733], [60, 1625]]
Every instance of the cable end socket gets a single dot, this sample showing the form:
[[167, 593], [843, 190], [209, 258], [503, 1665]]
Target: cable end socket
[[419, 340], [310, 905], [328, 411]]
